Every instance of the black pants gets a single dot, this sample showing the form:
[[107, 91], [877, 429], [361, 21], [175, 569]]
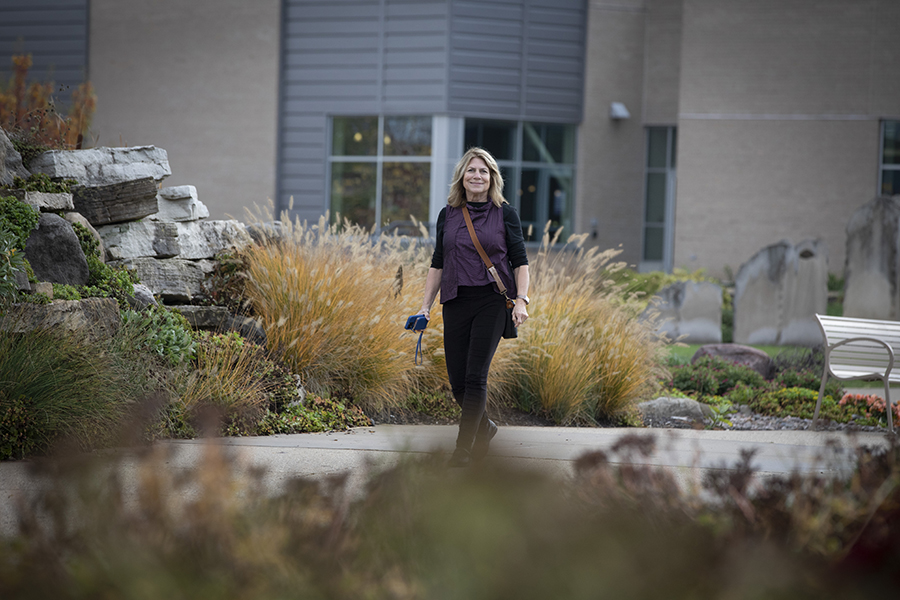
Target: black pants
[[473, 325]]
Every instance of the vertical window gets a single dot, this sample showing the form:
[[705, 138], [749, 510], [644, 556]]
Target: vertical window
[[890, 158], [537, 160], [381, 171], [659, 198]]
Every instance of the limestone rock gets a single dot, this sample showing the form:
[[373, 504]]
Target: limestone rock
[[205, 239], [689, 308], [778, 293], [871, 287], [192, 240], [142, 297], [43, 201], [668, 411], [45, 288], [116, 202], [738, 354], [10, 161], [180, 203], [55, 253], [264, 233], [218, 319], [104, 166], [94, 318], [174, 280], [74, 217], [138, 239]]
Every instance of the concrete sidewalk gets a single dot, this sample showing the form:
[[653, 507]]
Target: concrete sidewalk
[[688, 453]]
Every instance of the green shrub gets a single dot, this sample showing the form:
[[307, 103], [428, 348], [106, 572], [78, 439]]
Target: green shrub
[[54, 386], [314, 414], [164, 332], [63, 291], [41, 182], [18, 218], [12, 261], [438, 404], [713, 376], [797, 402], [810, 380]]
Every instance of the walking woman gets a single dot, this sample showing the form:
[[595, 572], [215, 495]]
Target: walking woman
[[474, 310]]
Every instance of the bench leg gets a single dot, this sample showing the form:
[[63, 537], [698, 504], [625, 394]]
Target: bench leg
[[887, 402], [821, 395]]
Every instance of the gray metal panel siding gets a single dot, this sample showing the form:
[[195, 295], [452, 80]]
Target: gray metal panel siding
[[518, 59], [351, 57], [54, 32]]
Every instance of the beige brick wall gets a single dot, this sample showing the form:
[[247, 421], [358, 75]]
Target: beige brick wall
[[199, 79], [780, 105], [743, 185], [663, 59], [610, 153]]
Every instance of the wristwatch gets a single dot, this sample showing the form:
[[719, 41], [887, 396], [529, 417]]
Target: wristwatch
[[525, 298]]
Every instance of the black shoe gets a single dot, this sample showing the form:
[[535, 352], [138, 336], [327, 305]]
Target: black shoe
[[483, 440], [461, 458]]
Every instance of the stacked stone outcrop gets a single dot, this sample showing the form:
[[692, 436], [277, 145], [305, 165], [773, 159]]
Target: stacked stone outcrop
[[164, 235]]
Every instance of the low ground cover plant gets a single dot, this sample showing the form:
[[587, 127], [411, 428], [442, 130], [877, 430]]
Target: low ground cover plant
[[618, 529]]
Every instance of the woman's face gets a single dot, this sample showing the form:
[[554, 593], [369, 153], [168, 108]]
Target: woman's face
[[477, 179]]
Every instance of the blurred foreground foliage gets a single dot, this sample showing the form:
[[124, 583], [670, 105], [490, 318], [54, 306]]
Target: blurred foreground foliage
[[131, 527]]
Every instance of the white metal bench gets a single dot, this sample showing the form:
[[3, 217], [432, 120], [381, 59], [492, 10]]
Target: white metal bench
[[859, 349]]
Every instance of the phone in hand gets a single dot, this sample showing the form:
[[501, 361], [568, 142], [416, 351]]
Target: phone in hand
[[416, 322]]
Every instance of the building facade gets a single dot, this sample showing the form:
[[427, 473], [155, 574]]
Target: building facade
[[689, 133]]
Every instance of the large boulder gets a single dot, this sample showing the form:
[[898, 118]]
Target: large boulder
[[669, 412], [93, 319], [54, 252], [194, 240], [104, 166], [778, 292], [872, 268], [738, 354], [180, 203], [116, 202], [173, 280], [10, 161], [692, 309]]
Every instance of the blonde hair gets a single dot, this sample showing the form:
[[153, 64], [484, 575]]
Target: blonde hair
[[457, 197]]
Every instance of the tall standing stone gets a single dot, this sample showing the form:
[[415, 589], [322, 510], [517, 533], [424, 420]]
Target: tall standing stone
[[778, 293], [872, 268], [692, 309]]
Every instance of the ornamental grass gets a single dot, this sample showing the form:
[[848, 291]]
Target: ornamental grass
[[334, 298], [583, 355]]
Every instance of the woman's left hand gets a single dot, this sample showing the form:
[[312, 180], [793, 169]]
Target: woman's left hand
[[519, 312]]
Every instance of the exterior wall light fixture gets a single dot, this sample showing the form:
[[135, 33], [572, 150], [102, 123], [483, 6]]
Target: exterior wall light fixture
[[618, 112]]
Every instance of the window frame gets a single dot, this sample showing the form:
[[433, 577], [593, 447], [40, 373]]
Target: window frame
[[669, 170], [546, 170], [379, 159]]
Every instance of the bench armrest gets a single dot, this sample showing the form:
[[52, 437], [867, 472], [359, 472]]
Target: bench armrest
[[887, 347]]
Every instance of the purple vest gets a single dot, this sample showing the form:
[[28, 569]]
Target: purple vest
[[462, 264]]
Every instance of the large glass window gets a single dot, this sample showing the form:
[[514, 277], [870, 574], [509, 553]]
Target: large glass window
[[659, 198], [381, 170], [890, 158], [537, 161]]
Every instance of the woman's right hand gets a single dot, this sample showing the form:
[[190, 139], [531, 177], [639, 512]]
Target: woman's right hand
[[425, 312]]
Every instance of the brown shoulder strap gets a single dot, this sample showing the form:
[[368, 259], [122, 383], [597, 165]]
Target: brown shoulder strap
[[481, 252]]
